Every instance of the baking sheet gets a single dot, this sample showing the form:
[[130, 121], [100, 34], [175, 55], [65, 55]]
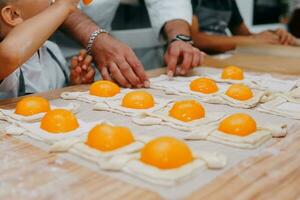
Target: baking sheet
[[199, 179]]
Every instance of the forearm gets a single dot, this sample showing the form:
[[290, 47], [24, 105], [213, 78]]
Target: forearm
[[175, 27], [241, 30], [25, 39], [80, 27], [217, 43]]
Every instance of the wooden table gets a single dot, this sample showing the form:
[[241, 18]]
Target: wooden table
[[275, 175]]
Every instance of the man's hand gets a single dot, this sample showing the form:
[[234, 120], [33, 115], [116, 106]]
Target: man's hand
[[285, 37], [82, 71], [182, 54], [117, 62]]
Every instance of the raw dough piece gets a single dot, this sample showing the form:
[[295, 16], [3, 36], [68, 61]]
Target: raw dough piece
[[247, 81], [180, 86], [78, 147], [254, 140], [226, 100], [161, 117], [87, 98], [116, 107], [202, 161], [10, 116], [282, 105], [34, 131], [264, 82]]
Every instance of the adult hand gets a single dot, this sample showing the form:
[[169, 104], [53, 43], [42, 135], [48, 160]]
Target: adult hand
[[182, 54], [285, 37], [117, 62]]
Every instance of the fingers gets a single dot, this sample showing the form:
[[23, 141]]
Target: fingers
[[89, 76], [74, 62], [105, 74], [138, 68], [171, 59], [87, 62], [118, 76], [82, 54], [198, 57], [186, 63], [75, 78], [129, 74]]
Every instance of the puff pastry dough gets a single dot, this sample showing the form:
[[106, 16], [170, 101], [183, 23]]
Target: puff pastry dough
[[34, 131], [252, 141], [180, 86], [87, 98], [115, 106], [282, 105], [10, 116], [259, 82], [127, 159], [161, 117]]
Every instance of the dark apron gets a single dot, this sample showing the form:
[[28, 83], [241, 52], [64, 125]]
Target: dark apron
[[213, 21], [22, 85]]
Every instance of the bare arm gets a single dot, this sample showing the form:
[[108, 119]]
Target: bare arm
[[241, 30], [220, 43], [115, 60], [25, 39]]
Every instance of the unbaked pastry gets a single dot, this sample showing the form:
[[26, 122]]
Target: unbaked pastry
[[34, 131], [259, 82], [169, 177], [180, 86], [161, 117], [254, 140], [283, 105], [78, 147], [116, 107], [87, 98], [10, 116]]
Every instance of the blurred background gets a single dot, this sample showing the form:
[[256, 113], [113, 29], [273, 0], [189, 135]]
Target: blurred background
[[259, 15]]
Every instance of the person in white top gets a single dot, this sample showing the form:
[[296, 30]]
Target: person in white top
[[294, 24], [115, 60], [28, 62]]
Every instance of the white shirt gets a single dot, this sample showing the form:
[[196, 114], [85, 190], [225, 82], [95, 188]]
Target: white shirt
[[103, 12], [295, 4], [41, 73]]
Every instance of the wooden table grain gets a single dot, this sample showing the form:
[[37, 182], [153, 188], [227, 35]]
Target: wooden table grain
[[274, 175]]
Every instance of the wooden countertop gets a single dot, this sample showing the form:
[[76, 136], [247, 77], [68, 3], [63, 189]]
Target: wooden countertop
[[275, 175]]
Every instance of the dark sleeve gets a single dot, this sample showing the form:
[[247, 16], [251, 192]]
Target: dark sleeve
[[236, 18], [195, 7]]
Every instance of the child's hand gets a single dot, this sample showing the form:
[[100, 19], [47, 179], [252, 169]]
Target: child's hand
[[82, 71]]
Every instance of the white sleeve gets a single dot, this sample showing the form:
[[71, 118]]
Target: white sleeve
[[296, 4], [162, 11]]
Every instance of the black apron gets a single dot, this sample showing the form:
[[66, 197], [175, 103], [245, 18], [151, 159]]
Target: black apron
[[212, 20]]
